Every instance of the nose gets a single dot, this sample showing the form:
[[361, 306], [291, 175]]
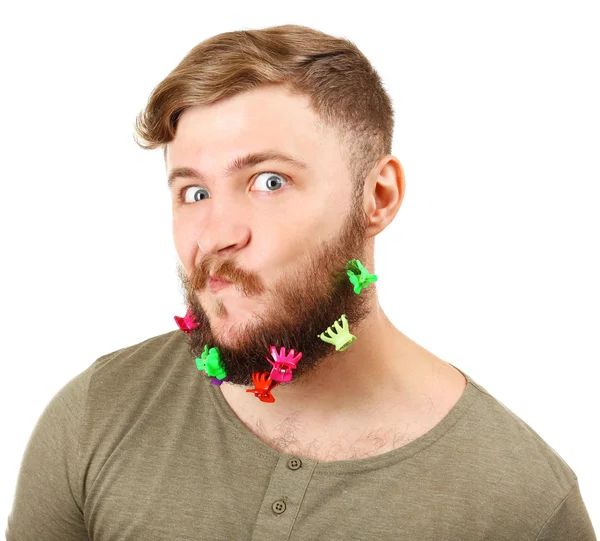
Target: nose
[[223, 236]]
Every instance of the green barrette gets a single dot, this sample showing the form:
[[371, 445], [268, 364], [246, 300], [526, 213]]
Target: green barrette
[[339, 335], [210, 362], [359, 275]]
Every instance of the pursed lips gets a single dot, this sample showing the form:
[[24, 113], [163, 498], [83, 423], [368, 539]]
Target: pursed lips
[[215, 283]]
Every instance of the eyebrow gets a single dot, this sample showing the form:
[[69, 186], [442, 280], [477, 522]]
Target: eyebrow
[[239, 164]]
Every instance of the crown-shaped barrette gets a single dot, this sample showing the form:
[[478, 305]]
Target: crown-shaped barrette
[[359, 276], [187, 322], [210, 362], [284, 364], [263, 385], [338, 335]]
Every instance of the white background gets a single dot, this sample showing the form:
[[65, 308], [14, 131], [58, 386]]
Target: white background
[[491, 263]]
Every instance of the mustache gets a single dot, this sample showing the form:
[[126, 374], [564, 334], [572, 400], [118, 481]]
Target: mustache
[[249, 283]]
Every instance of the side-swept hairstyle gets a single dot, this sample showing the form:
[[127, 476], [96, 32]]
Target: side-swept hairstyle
[[343, 88]]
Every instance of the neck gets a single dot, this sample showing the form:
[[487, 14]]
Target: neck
[[382, 366]]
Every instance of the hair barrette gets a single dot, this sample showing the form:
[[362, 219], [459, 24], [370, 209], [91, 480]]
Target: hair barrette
[[210, 362], [187, 322], [359, 276], [338, 335], [284, 364], [263, 385]]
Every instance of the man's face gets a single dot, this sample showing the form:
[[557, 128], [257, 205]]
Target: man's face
[[281, 235]]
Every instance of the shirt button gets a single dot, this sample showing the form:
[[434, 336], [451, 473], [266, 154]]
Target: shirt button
[[294, 463], [279, 506]]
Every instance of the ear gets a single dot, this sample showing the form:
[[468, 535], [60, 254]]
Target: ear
[[383, 194]]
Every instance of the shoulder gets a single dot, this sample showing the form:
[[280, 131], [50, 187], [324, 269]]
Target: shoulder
[[140, 358], [134, 391], [497, 466], [137, 379], [508, 461], [120, 379], [515, 446], [119, 372]]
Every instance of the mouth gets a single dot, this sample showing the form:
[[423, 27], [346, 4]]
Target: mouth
[[216, 284]]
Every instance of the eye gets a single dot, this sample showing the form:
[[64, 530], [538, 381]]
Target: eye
[[197, 193], [271, 181]]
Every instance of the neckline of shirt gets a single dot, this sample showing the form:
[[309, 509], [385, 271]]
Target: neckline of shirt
[[353, 465]]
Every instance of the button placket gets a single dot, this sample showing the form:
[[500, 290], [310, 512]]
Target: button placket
[[283, 498]]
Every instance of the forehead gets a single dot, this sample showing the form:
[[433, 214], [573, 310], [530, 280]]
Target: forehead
[[266, 117]]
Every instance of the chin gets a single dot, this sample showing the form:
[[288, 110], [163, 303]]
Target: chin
[[227, 334]]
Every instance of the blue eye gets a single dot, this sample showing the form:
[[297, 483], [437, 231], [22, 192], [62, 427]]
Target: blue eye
[[198, 193], [271, 181]]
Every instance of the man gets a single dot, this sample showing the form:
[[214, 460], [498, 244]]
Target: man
[[189, 435]]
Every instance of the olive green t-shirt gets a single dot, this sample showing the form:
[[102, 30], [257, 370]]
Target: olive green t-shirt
[[140, 446]]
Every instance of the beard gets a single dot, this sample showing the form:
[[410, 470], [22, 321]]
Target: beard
[[299, 307]]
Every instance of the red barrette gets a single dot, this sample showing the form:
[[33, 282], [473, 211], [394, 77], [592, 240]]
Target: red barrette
[[263, 385]]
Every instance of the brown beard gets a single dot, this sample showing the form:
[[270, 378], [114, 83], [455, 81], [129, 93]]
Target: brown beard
[[302, 305]]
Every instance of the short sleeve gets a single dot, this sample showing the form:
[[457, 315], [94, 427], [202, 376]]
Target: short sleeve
[[570, 520], [48, 497]]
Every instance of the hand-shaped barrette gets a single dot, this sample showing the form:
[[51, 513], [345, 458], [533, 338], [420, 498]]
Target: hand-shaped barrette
[[210, 362], [283, 365], [263, 385], [187, 322], [339, 336], [359, 276]]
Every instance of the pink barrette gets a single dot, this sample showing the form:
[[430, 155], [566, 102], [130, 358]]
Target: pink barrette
[[283, 365], [187, 322]]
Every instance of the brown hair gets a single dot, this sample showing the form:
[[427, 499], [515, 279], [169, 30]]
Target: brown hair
[[343, 88]]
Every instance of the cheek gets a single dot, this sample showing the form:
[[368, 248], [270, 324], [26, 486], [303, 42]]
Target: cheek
[[185, 243], [304, 229], [282, 245]]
